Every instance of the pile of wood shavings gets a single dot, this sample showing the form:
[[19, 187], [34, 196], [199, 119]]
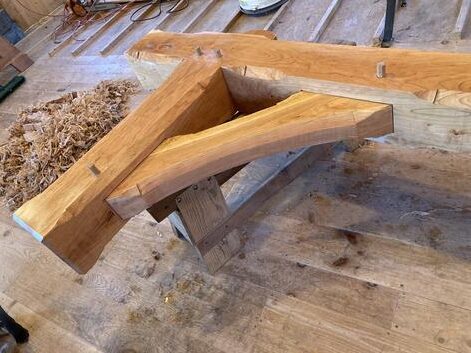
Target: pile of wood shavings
[[46, 139]]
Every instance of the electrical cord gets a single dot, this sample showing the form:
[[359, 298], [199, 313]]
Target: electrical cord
[[159, 4]]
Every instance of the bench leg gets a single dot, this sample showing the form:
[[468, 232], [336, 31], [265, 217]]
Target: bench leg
[[214, 229], [202, 209]]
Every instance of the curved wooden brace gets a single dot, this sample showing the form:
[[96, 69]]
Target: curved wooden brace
[[301, 120]]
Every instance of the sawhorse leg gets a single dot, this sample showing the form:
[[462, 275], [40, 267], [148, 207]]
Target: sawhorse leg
[[212, 224]]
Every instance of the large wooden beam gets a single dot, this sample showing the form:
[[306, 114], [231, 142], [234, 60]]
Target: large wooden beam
[[302, 119], [406, 70], [417, 121], [277, 68], [71, 217]]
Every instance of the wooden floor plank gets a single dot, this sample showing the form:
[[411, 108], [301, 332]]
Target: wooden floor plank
[[441, 324], [415, 195], [391, 263], [45, 336], [114, 307], [18, 253], [297, 326]]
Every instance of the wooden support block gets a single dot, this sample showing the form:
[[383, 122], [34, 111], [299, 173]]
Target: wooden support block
[[168, 205], [201, 209], [71, 217], [302, 119], [215, 228], [286, 168]]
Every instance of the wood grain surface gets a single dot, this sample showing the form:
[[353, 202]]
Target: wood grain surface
[[71, 216], [301, 120]]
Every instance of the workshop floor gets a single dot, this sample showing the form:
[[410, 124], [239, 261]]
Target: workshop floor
[[397, 278]]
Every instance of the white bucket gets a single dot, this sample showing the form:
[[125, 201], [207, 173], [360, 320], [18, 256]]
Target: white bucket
[[254, 7]]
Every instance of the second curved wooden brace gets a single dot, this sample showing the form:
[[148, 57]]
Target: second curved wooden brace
[[301, 120]]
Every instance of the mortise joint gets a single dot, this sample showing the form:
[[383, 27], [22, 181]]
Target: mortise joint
[[94, 170], [198, 51]]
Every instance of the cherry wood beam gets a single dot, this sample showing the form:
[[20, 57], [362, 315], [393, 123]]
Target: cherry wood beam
[[301, 120], [406, 70], [71, 217]]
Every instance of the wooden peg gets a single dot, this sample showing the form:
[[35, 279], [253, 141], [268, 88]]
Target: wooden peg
[[380, 69]]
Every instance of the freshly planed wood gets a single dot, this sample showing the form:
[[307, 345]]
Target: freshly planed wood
[[302, 119], [342, 64], [71, 216], [417, 121], [324, 21], [462, 20], [287, 67], [456, 99]]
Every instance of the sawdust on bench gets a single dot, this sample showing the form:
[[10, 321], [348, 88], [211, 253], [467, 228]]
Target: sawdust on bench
[[48, 138]]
